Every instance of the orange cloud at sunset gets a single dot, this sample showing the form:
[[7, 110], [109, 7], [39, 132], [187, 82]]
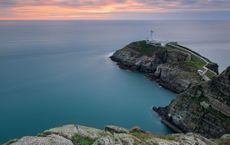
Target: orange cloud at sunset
[[53, 12], [97, 9]]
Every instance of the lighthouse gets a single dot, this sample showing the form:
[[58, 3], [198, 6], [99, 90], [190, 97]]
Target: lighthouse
[[151, 35]]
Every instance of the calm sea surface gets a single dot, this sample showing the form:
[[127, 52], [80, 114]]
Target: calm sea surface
[[58, 72]]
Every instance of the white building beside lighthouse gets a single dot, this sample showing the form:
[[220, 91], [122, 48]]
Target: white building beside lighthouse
[[151, 40]]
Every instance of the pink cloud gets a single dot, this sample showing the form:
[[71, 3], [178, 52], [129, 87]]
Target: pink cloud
[[98, 9]]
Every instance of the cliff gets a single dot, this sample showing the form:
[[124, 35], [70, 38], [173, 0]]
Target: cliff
[[203, 103], [173, 66], [203, 108], [111, 135]]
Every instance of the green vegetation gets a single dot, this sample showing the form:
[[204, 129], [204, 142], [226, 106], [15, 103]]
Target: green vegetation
[[144, 48], [147, 49], [194, 53], [224, 99], [190, 72], [168, 137], [140, 134], [196, 62], [43, 134], [144, 135], [81, 140], [222, 141], [210, 74]]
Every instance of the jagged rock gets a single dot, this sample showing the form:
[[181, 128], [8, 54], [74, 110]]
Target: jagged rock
[[203, 108], [174, 78], [192, 139], [222, 83], [226, 136], [159, 141], [134, 137], [167, 65], [69, 131], [116, 129], [127, 139], [213, 66], [48, 140], [180, 139], [107, 140]]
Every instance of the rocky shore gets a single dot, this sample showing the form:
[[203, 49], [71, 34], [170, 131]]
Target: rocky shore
[[174, 68], [203, 108], [202, 105], [111, 135]]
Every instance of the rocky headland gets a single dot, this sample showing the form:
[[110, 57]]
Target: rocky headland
[[173, 66], [203, 108], [202, 105], [111, 135]]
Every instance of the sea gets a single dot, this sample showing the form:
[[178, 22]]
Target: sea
[[54, 73]]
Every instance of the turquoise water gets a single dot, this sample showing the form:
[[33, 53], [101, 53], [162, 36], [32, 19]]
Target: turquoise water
[[55, 73]]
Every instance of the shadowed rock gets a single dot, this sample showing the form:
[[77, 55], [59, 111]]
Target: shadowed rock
[[203, 108]]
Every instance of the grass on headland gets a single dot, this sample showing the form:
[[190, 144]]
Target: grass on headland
[[196, 62], [210, 74], [140, 134], [144, 48], [194, 52], [81, 140], [148, 49], [144, 135]]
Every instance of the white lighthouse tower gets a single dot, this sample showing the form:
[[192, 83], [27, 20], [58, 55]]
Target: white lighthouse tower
[[151, 36]]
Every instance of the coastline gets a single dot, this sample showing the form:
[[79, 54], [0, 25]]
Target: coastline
[[166, 62], [184, 72]]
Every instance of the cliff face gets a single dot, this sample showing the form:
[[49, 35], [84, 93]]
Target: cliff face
[[203, 108], [174, 68], [111, 135]]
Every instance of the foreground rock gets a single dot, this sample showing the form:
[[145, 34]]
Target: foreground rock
[[48, 140], [112, 135], [173, 67], [203, 108]]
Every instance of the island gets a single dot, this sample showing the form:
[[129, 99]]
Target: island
[[202, 103], [173, 66]]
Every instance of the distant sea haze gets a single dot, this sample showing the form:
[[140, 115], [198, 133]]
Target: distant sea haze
[[59, 72]]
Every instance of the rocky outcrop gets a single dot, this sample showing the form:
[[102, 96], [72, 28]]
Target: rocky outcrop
[[115, 129], [171, 67], [68, 131], [203, 108], [221, 84], [48, 140], [112, 135], [213, 66], [174, 78]]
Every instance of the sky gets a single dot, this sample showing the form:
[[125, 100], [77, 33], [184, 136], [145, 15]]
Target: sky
[[113, 9]]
